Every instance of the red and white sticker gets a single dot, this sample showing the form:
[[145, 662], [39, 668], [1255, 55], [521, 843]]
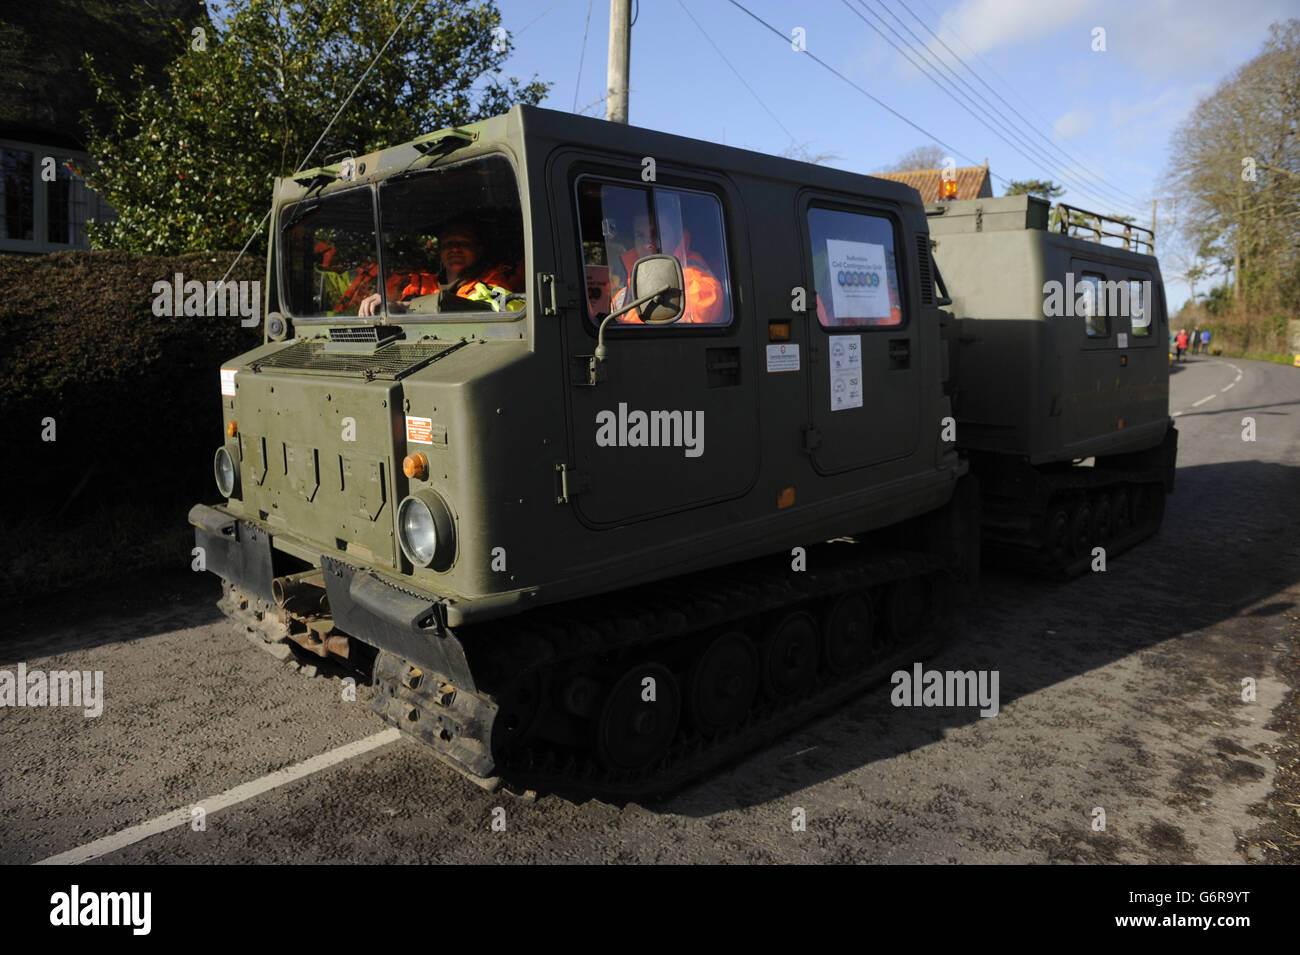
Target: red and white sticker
[[419, 430], [228, 382]]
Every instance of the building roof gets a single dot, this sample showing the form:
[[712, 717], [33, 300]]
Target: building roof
[[973, 182]]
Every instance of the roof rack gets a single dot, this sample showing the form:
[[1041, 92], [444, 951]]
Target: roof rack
[[1083, 224]]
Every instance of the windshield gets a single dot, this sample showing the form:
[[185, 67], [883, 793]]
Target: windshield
[[452, 243]]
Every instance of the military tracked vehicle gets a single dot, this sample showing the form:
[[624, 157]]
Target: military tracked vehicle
[[1062, 399], [620, 452]]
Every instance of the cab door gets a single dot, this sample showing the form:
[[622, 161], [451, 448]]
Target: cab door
[[865, 366], [672, 423]]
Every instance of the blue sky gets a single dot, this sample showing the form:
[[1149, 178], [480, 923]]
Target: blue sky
[[1097, 121]]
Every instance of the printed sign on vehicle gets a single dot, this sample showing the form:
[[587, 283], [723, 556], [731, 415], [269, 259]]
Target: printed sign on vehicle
[[419, 430]]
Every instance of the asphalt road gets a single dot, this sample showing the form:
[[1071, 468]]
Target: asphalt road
[[1121, 691]]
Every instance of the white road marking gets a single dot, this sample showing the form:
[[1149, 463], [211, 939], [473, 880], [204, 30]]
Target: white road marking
[[1197, 404], [231, 797], [1228, 387], [1175, 414]]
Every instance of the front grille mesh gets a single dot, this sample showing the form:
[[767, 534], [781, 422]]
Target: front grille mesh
[[391, 361]]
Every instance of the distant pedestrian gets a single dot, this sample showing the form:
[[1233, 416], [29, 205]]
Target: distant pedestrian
[[1195, 341], [1205, 342], [1180, 343]]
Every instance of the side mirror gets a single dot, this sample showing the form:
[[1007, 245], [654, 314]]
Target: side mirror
[[657, 291], [658, 278]]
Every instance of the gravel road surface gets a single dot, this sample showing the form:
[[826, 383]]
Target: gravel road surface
[[1120, 693]]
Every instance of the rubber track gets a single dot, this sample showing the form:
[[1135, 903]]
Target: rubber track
[[633, 622]]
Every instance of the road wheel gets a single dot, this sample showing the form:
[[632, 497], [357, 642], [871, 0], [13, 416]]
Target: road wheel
[[722, 683], [1056, 534], [1080, 529], [639, 719], [789, 656], [1102, 519], [848, 633], [1120, 504], [905, 607]]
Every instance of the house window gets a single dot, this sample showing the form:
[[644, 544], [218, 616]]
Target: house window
[[16, 194], [44, 205]]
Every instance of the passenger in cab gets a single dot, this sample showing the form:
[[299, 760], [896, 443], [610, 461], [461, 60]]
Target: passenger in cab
[[705, 303], [465, 275]]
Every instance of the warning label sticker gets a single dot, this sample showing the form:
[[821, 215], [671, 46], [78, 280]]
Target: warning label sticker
[[228, 382], [419, 430], [783, 357], [846, 372]]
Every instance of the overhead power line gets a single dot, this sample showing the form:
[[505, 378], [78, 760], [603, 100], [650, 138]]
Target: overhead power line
[[1010, 88], [968, 104], [886, 107], [582, 56], [776, 119], [1125, 196]]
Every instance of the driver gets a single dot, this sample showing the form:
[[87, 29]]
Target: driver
[[464, 275]]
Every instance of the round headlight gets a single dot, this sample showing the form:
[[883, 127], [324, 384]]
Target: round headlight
[[424, 530], [223, 467]]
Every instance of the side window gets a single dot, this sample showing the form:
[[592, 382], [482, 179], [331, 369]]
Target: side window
[[1096, 320], [854, 269], [619, 224], [1139, 313]]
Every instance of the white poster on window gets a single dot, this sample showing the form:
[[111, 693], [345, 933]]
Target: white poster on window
[[859, 283], [846, 372]]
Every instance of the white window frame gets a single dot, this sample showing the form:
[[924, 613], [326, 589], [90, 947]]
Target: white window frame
[[96, 208]]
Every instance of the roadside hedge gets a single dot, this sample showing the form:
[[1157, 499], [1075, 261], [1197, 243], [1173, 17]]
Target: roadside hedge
[[134, 397]]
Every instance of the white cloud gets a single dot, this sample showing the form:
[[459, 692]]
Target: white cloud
[[985, 25], [1074, 123]]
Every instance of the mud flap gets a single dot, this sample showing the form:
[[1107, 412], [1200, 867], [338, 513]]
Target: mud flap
[[234, 550], [409, 627]]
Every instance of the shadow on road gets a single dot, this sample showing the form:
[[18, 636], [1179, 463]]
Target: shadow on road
[[1216, 555]]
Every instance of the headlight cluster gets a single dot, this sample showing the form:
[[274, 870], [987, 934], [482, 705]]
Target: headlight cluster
[[424, 529], [226, 473]]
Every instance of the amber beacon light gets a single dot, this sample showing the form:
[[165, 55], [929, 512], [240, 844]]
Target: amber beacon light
[[415, 466]]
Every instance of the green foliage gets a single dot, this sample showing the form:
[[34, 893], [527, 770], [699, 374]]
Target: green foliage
[[134, 396], [1235, 163], [188, 165], [1219, 299], [42, 44], [1035, 187]]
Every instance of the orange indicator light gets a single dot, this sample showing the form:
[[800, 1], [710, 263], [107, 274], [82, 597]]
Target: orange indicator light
[[415, 466], [232, 428], [785, 499]]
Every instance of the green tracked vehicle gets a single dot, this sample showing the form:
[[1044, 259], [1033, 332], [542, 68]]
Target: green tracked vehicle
[[612, 455], [1062, 358], [657, 475]]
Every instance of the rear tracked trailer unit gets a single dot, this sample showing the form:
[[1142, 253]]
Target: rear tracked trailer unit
[[619, 452], [1061, 358]]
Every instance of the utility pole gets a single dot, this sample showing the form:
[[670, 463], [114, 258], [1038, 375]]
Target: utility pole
[[620, 55]]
